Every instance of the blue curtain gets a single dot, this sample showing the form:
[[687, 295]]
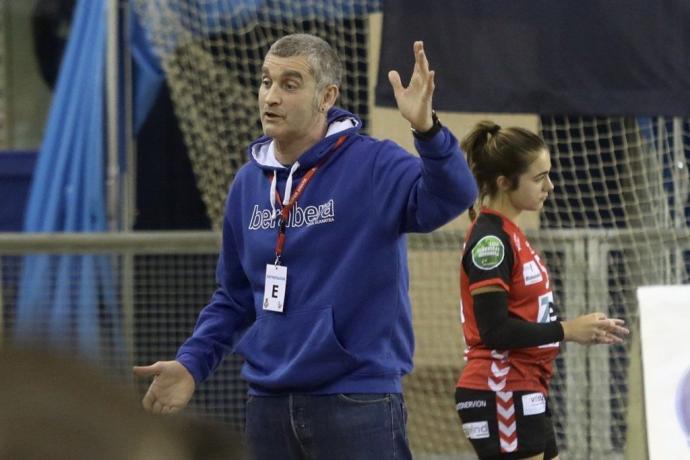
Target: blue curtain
[[66, 298]]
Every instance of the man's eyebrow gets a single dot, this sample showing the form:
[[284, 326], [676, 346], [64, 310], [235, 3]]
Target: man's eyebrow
[[292, 74], [286, 74]]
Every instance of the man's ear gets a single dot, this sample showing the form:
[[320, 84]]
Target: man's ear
[[330, 95]]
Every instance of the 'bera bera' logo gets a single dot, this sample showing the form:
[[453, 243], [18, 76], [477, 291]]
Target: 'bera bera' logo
[[309, 215]]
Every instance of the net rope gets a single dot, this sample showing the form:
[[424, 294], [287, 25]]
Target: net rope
[[212, 51], [618, 220]]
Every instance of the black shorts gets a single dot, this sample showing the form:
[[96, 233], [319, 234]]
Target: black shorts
[[525, 430]]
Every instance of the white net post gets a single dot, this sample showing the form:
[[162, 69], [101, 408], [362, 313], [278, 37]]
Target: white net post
[[574, 288], [599, 394], [3, 78]]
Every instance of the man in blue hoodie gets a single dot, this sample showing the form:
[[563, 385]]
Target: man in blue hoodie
[[313, 279]]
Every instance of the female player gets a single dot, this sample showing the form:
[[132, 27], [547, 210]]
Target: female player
[[511, 330]]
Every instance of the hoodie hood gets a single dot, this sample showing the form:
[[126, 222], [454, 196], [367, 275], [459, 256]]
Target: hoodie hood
[[262, 151]]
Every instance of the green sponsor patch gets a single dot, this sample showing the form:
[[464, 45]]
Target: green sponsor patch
[[488, 252]]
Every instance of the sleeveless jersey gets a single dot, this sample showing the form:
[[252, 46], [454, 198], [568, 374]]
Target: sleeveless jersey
[[496, 253]]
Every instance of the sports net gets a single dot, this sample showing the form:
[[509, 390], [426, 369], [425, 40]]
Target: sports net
[[212, 52], [622, 201], [116, 300], [618, 220]]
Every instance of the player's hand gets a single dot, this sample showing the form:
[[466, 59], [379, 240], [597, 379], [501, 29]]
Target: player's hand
[[594, 328], [414, 101], [171, 389]]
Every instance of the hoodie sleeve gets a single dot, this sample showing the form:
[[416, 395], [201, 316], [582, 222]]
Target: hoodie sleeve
[[228, 314], [422, 194]]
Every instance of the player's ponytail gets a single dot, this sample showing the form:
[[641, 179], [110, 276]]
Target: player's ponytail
[[476, 146], [476, 141]]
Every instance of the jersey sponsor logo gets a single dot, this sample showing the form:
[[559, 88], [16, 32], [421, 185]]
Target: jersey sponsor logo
[[546, 315], [488, 253], [476, 430], [533, 403], [531, 273], [545, 307], [470, 404], [299, 217]]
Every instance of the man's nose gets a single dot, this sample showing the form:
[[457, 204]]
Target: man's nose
[[272, 95]]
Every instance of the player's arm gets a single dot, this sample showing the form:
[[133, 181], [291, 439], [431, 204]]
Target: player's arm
[[500, 331]]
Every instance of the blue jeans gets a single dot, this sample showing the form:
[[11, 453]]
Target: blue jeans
[[327, 427]]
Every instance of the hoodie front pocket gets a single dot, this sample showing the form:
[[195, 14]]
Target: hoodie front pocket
[[295, 351]]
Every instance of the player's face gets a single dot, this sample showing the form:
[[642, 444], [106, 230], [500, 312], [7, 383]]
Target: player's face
[[534, 185], [288, 98]]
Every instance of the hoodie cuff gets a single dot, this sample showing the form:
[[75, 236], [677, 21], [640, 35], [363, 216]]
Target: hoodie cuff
[[427, 135], [191, 363], [437, 146]]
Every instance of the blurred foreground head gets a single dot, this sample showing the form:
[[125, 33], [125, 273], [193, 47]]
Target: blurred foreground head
[[59, 408]]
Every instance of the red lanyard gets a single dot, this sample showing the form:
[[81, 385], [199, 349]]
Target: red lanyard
[[285, 210]]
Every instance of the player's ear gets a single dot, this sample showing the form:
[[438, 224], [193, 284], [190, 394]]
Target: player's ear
[[504, 184]]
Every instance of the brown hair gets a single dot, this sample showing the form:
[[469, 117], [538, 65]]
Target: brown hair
[[493, 151]]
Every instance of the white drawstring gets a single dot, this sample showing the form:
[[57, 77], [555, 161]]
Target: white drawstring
[[288, 184], [288, 189], [274, 213]]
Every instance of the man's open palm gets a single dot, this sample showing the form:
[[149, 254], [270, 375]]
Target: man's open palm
[[171, 389]]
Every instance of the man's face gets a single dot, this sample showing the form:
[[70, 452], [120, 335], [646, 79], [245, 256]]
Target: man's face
[[288, 98]]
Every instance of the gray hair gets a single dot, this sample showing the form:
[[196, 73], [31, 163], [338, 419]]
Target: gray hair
[[322, 58]]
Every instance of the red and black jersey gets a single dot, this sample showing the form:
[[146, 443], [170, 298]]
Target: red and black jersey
[[497, 253]]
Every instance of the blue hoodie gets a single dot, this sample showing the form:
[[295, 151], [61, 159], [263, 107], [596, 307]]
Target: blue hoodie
[[347, 322]]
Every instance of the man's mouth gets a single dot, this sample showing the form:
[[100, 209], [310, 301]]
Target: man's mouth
[[271, 116]]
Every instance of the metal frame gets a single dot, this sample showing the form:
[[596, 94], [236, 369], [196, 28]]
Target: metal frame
[[121, 179], [586, 255], [4, 115]]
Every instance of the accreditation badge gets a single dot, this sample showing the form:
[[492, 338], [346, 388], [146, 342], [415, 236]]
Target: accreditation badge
[[274, 287]]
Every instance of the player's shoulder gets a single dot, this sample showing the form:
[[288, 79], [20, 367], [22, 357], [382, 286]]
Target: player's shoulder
[[488, 241], [487, 225]]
